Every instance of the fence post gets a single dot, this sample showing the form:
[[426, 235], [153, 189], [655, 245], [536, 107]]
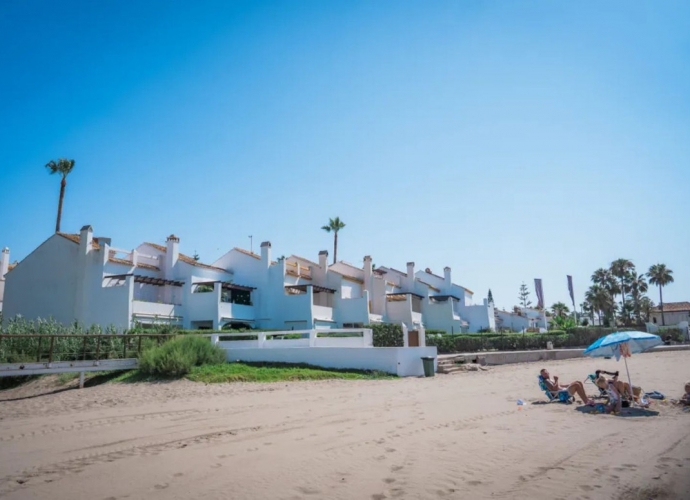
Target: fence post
[[52, 343], [38, 355], [139, 346], [83, 349], [124, 346], [312, 338], [98, 348], [261, 338]]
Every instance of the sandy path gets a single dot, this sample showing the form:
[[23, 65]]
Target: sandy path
[[457, 436]]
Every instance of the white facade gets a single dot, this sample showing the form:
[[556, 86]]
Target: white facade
[[524, 319], [674, 314], [84, 278]]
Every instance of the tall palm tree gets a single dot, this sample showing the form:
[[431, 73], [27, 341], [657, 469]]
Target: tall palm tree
[[62, 167], [560, 309], [638, 287], [621, 269], [334, 225], [660, 275]]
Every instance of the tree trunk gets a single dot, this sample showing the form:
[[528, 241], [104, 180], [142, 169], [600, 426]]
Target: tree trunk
[[335, 247], [661, 305], [62, 196]]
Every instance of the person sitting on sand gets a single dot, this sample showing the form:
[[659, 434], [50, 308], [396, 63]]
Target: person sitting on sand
[[686, 397], [623, 388], [573, 388], [615, 399]]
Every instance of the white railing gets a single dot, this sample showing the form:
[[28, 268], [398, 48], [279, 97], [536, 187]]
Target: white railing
[[363, 337]]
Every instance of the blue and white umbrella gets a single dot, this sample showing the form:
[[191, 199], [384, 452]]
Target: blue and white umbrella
[[624, 344]]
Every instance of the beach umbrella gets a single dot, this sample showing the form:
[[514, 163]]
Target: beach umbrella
[[623, 344]]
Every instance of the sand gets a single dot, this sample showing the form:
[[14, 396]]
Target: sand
[[451, 436]]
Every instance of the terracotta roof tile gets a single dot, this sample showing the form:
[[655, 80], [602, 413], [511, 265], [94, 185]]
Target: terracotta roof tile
[[297, 257], [301, 275], [126, 262], [247, 252], [673, 307], [186, 258], [75, 239]]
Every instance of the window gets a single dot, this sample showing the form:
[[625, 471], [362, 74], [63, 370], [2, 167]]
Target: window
[[654, 320]]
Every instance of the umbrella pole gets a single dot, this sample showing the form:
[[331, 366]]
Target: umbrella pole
[[632, 393]]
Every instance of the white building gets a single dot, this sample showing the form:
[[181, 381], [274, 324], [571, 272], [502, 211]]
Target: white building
[[82, 278], [674, 313], [523, 319], [79, 277]]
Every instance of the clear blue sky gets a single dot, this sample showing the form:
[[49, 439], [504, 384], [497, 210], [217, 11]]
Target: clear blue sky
[[508, 140]]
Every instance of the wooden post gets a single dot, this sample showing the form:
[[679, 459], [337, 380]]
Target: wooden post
[[81, 380], [139, 347], [83, 349], [38, 355], [98, 348], [124, 346]]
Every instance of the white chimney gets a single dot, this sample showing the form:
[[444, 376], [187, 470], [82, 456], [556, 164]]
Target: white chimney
[[172, 254], [447, 283], [323, 262], [266, 254], [367, 273], [410, 276], [85, 239], [4, 262]]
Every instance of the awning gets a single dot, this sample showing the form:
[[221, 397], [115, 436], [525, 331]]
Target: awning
[[303, 288], [146, 280], [401, 295], [227, 285], [443, 298]]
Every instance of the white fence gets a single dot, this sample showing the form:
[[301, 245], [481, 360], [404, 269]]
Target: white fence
[[357, 337]]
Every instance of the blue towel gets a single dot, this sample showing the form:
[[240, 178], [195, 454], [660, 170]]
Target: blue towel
[[655, 395]]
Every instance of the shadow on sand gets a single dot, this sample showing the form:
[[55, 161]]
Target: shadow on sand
[[625, 412]]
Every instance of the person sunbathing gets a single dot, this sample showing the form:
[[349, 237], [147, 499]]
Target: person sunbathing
[[623, 388], [573, 388], [615, 400]]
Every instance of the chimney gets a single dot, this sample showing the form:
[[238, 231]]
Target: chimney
[[410, 276], [447, 283], [266, 254], [85, 239], [323, 261], [367, 272], [172, 254], [4, 262]]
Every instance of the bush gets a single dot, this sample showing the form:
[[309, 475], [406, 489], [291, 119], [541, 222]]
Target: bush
[[178, 356], [387, 335]]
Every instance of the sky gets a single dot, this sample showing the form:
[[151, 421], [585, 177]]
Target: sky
[[507, 140]]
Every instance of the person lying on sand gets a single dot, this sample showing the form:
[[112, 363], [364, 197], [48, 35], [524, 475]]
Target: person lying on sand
[[573, 388], [623, 388], [615, 399]]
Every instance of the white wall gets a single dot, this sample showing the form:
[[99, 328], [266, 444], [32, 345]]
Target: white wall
[[671, 318], [401, 361], [44, 284]]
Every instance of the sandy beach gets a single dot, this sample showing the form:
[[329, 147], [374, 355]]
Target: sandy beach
[[452, 436]]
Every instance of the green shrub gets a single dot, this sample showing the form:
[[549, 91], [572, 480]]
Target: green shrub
[[178, 356], [387, 335]]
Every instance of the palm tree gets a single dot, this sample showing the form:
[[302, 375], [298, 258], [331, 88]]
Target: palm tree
[[62, 167], [600, 300], [638, 287], [334, 225], [660, 275], [646, 306], [560, 309], [621, 269], [606, 281]]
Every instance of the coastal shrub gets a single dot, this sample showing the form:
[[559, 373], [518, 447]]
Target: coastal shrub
[[387, 335], [178, 356]]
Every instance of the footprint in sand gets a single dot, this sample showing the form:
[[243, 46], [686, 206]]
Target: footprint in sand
[[178, 474], [396, 468], [389, 480], [161, 486], [474, 483], [378, 496], [308, 491]]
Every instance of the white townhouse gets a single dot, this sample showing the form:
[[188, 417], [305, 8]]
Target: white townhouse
[[450, 307], [79, 277], [523, 319], [297, 293], [5, 267]]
